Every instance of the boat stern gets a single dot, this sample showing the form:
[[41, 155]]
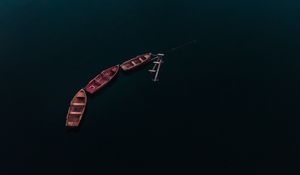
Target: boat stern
[[90, 89], [72, 124]]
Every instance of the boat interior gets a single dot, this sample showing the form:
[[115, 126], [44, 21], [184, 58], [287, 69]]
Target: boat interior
[[74, 118], [79, 100], [99, 81], [77, 108], [137, 61]]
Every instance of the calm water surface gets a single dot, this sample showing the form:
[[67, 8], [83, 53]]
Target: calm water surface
[[227, 105]]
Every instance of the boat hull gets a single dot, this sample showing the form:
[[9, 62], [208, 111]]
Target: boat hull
[[102, 79], [76, 109], [136, 62]]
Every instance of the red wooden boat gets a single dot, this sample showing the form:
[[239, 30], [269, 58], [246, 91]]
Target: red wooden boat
[[136, 62], [76, 109], [102, 79]]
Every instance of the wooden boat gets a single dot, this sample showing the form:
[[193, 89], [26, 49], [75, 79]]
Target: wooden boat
[[76, 109], [136, 62], [102, 79]]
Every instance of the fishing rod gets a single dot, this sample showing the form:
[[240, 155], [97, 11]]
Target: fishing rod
[[180, 46], [173, 49]]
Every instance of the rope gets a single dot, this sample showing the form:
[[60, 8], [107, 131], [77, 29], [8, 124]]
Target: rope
[[180, 46]]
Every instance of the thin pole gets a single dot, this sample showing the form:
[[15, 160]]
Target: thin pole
[[180, 46], [157, 70]]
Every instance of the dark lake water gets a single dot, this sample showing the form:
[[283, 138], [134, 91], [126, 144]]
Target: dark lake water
[[228, 104]]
